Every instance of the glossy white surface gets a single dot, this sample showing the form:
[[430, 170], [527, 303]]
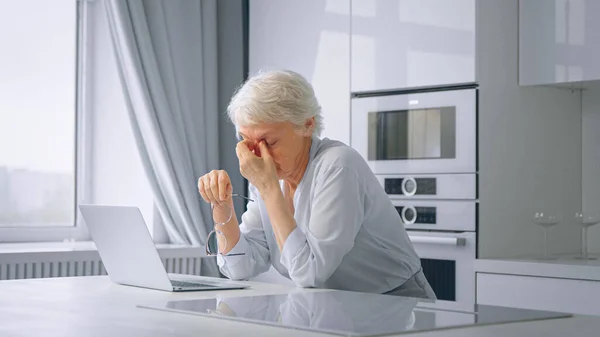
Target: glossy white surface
[[348, 313], [311, 37], [412, 43], [93, 306], [529, 141], [539, 293], [566, 267], [558, 41], [465, 132], [590, 175]]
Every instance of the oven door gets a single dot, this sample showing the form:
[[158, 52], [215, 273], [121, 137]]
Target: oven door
[[430, 132], [448, 264]]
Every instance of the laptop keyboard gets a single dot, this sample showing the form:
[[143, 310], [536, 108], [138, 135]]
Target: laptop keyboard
[[184, 284]]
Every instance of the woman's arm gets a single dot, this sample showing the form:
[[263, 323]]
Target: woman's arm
[[261, 171], [337, 214], [280, 215], [249, 239]]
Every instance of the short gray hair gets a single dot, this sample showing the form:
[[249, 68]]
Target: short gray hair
[[275, 96]]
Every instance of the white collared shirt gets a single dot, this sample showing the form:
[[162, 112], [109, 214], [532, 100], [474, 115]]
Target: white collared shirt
[[349, 236]]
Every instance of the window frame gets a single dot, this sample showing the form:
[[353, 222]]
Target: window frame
[[83, 145]]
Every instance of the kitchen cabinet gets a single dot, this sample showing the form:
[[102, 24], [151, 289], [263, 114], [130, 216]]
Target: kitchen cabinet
[[539, 293], [400, 44], [558, 41], [311, 37]]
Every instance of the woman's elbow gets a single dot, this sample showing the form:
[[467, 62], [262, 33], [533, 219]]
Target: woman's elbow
[[304, 283], [308, 274], [235, 274], [306, 280]]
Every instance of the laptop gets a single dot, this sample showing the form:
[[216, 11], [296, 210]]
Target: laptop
[[129, 253]]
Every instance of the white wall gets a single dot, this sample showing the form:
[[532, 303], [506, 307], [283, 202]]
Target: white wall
[[117, 174], [591, 159], [529, 146]]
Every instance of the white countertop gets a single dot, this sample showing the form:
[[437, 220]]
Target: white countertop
[[561, 267], [93, 306]]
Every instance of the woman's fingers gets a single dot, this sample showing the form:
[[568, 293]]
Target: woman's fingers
[[215, 187], [264, 150], [241, 150], [229, 190], [208, 190], [247, 149], [223, 182], [202, 188]]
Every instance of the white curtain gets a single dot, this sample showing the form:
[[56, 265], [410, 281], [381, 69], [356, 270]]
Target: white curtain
[[167, 56]]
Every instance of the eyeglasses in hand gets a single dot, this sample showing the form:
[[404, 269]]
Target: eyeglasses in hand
[[216, 242]]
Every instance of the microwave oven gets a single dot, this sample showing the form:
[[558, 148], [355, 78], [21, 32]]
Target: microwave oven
[[417, 132]]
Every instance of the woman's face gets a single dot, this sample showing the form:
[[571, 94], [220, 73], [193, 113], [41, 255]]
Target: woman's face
[[286, 145]]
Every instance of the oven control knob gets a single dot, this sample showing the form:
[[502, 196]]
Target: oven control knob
[[409, 186], [409, 215]]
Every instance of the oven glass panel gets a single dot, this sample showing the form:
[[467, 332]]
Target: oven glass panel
[[441, 275], [426, 186], [393, 185], [426, 215], [412, 134]]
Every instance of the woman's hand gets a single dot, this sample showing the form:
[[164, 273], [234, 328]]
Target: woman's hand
[[215, 187], [257, 166]]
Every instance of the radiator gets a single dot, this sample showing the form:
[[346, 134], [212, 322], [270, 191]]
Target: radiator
[[25, 265]]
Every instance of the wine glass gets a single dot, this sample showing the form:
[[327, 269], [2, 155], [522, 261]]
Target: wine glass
[[586, 220], [546, 220]]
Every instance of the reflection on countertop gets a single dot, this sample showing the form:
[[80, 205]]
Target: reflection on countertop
[[348, 313]]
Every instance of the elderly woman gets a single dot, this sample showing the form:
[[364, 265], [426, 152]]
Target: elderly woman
[[319, 216]]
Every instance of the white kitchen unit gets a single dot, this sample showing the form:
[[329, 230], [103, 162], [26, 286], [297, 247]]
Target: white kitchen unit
[[311, 37], [529, 140], [568, 285], [590, 175], [400, 44], [558, 41]]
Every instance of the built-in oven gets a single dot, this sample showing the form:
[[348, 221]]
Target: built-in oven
[[417, 132], [421, 144], [443, 235], [448, 259]]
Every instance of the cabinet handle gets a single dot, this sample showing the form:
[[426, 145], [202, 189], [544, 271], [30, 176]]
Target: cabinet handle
[[438, 240]]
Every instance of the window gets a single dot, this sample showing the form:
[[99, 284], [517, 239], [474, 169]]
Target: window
[[40, 119]]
